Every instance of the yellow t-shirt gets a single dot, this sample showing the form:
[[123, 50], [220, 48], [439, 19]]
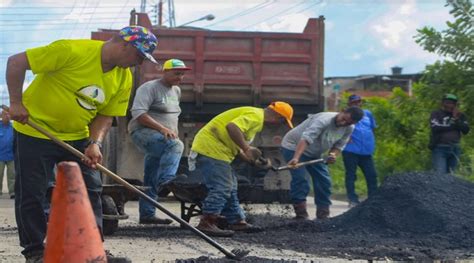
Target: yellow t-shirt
[[214, 141], [70, 89]]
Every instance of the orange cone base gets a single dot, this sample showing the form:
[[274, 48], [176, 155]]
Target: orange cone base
[[73, 235]]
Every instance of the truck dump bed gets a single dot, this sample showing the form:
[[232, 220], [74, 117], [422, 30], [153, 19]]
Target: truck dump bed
[[229, 69]]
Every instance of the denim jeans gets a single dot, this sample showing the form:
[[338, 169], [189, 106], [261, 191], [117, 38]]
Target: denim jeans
[[162, 158], [34, 167], [10, 176], [221, 183], [445, 157], [299, 183], [366, 164]]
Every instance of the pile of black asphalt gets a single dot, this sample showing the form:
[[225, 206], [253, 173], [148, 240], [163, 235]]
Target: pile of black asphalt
[[412, 216]]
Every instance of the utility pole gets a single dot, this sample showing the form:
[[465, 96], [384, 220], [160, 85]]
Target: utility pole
[[160, 13], [143, 6], [171, 17]]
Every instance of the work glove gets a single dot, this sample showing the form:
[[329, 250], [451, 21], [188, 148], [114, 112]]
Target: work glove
[[263, 163], [252, 154]]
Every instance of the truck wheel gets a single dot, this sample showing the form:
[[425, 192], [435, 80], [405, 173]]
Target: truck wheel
[[109, 226]]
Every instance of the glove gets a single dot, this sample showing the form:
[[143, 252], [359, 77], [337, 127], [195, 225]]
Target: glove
[[252, 154], [263, 163]]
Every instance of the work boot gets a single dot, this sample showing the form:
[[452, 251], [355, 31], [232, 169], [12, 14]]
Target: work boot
[[322, 212], [34, 257], [162, 190], [221, 222], [245, 227], [154, 221], [113, 259], [208, 225], [301, 211]]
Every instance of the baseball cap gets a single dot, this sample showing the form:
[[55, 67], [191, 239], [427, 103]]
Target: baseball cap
[[141, 38], [284, 109], [175, 64], [353, 98], [450, 96]]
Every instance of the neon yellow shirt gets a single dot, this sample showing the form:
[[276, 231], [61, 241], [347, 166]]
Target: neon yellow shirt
[[70, 89], [214, 141]]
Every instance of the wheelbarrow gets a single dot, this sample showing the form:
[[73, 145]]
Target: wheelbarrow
[[114, 197]]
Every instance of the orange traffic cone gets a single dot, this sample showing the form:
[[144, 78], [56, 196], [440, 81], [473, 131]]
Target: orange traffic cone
[[73, 235]]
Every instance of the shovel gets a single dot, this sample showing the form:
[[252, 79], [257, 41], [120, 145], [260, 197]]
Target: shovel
[[287, 167], [236, 254], [298, 165]]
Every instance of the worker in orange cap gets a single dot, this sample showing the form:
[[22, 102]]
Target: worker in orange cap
[[215, 146]]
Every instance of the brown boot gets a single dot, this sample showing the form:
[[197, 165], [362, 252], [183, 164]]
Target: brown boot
[[322, 212], [300, 211], [208, 225], [243, 226]]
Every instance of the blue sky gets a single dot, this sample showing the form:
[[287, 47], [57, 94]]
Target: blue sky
[[362, 36]]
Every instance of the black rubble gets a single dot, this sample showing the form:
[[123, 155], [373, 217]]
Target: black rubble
[[413, 216]]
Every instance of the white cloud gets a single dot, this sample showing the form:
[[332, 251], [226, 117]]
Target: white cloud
[[391, 32], [407, 8], [395, 30], [5, 3]]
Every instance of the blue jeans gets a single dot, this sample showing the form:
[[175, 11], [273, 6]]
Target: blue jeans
[[445, 157], [162, 158], [366, 164], [300, 185], [221, 183]]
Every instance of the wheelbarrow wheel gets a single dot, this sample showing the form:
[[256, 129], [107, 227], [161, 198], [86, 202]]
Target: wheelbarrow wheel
[[109, 208]]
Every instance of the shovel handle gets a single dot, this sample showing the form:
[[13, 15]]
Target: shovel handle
[[298, 165], [130, 187]]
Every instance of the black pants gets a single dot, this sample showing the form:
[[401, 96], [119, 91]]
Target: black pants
[[34, 166]]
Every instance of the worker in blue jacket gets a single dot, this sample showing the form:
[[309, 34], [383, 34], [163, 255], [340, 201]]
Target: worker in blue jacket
[[6, 154], [359, 153]]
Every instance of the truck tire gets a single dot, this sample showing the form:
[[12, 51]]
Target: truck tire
[[109, 226]]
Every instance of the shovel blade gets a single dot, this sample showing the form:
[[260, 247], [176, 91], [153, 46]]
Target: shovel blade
[[238, 254]]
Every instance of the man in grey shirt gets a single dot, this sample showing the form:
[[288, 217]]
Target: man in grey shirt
[[154, 130], [310, 140]]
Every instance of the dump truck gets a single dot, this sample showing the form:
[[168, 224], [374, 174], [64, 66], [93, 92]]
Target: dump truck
[[229, 69]]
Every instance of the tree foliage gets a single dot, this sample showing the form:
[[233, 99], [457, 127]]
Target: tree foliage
[[403, 122], [457, 41]]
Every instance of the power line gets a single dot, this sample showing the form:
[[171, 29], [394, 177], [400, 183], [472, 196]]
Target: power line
[[70, 23], [57, 7], [243, 13], [282, 12], [120, 12], [97, 4], [75, 25], [58, 22], [55, 14]]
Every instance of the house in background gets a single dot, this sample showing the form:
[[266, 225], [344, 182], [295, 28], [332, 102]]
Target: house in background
[[366, 86]]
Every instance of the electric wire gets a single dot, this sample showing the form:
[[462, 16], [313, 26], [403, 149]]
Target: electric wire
[[243, 13], [280, 13]]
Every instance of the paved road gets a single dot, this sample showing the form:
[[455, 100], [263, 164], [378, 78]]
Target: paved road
[[140, 246]]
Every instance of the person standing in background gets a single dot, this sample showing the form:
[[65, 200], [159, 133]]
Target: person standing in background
[[448, 124], [358, 152], [6, 154]]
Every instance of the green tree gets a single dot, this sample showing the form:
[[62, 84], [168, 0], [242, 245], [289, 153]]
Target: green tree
[[403, 122], [457, 41]]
